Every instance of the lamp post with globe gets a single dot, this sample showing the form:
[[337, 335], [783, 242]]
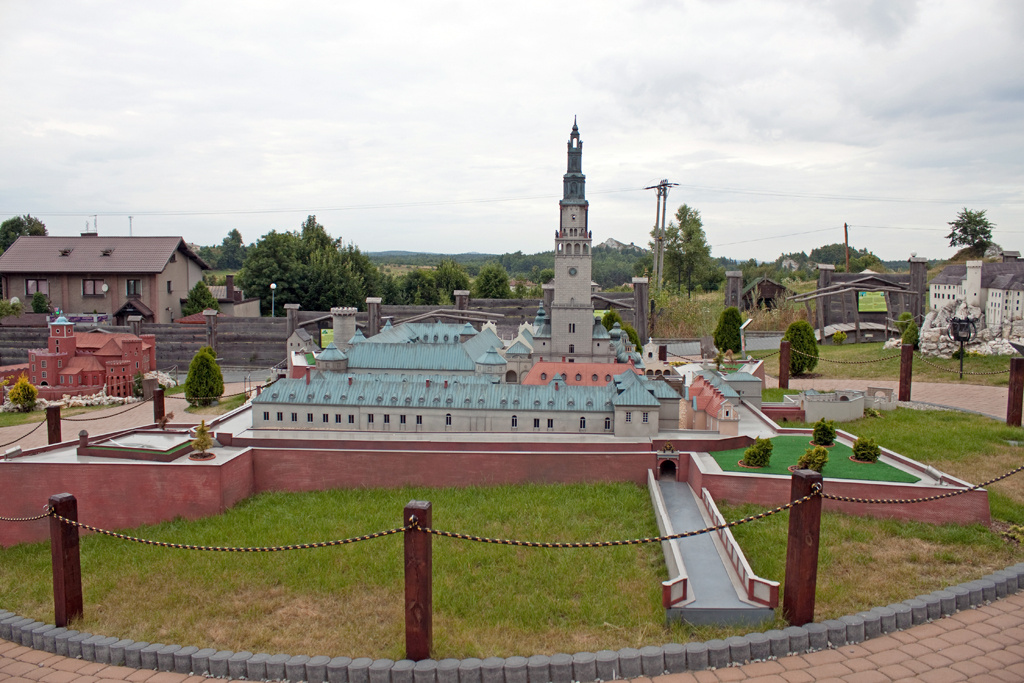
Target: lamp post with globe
[[273, 287]]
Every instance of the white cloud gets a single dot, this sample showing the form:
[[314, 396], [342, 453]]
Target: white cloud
[[117, 107]]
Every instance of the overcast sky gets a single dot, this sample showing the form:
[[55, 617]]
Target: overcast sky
[[441, 126]]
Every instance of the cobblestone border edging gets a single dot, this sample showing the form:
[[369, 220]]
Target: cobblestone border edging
[[605, 665]]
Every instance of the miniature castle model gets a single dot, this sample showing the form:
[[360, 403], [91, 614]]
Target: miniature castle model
[[564, 373], [86, 363]]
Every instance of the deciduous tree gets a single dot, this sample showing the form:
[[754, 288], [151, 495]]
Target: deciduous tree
[[13, 228], [492, 283], [971, 229]]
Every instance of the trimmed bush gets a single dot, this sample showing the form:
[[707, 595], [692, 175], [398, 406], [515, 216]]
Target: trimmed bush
[[40, 304], [727, 332], [813, 459], [838, 338], [866, 450], [824, 432], [759, 453], [205, 381], [23, 394], [804, 348], [911, 336]]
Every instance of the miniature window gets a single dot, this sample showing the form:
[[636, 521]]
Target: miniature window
[[280, 417], [629, 416], [645, 418], [583, 423], [448, 419], [579, 377], [337, 418], [309, 417], [536, 423], [515, 421], [387, 419], [401, 419], [295, 417], [325, 418], [551, 423], [92, 287], [593, 378], [351, 419], [266, 415], [607, 423], [419, 419], [369, 419]]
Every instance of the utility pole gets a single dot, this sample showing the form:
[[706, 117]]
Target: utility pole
[[846, 241], [659, 230], [129, 226]]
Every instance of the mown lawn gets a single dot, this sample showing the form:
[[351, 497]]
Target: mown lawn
[[788, 449]]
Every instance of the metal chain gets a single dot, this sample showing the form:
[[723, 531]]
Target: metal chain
[[47, 511], [413, 524], [845, 362], [229, 549], [957, 372], [894, 501], [26, 435], [104, 417]]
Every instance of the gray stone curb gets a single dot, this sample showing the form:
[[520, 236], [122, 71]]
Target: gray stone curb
[[606, 665]]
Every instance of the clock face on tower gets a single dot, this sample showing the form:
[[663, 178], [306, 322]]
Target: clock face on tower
[[572, 271]]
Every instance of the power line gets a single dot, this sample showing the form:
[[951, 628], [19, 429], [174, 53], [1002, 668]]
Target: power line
[[856, 198], [775, 237]]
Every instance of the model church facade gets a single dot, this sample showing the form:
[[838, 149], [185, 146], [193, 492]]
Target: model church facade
[[438, 377]]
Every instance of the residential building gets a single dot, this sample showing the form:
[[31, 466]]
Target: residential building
[[110, 277]]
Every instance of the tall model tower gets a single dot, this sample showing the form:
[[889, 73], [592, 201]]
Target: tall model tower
[[572, 313]]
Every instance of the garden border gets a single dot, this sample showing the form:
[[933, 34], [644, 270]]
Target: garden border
[[604, 665]]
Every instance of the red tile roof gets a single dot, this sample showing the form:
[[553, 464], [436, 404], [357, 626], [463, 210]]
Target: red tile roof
[[586, 371]]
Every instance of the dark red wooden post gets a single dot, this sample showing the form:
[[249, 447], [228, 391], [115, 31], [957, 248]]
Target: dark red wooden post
[[802, 550], [1015, 400], [419, 600], [67, 567], [158, 404], [906, 371], [784, 365], [52, 424]]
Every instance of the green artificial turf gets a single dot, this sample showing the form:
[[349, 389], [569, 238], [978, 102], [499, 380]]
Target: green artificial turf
[[788, 450]]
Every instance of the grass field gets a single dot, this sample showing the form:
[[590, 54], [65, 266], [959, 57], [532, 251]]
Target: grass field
[[788, 449], [871, 361]]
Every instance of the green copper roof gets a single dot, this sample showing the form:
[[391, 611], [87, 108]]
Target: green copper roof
[[518, 349], [491, 357], [423, 357], [600, 331], [332, 352]]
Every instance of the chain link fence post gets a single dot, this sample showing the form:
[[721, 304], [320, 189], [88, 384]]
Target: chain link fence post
[[802, 549], [158, 405], [64, 556], [53, 424], [784, 365], [1015, 399], [419, 600], [906, 370]]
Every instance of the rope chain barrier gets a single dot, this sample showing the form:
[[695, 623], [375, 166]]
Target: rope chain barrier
[[413, 525], [901, 501], [226, 549], [25, 435], [956, 371], [845, 362]]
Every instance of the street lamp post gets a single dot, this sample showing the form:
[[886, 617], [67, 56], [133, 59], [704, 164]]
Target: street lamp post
[[273, 287]]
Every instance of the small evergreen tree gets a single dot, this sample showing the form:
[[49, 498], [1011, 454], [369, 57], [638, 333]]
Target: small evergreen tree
[[203, 440], [23, 394], [813, 459], [205, 381], [909, 334], [727, 332], [633, 336], [759, 453], [866, 450], [838, 338], [824, 432], [803, 355], [199, 299], [137, 385], [40, 304]]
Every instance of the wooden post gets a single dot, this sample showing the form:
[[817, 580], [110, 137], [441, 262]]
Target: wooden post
[[53, 424], [67, 566], [906, 371], [784, 352], [1015, 400], [419, 600], [158, 404], [802, 550]]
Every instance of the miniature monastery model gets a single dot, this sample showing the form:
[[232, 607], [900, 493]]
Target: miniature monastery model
[[85, 363], [564, 373]]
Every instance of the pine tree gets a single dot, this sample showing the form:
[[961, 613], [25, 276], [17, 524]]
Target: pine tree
[[203, 440], [803, 355], [727, 333], [199, 299], [205, 381]]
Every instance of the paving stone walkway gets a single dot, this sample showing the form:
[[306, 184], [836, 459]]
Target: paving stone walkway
[[985, 644]]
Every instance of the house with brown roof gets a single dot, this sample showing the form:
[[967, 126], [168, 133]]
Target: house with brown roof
[[113, 277]]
